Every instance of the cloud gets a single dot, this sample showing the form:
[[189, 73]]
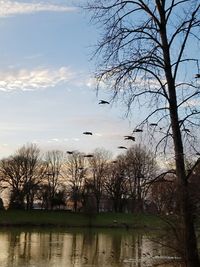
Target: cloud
[[27, 80], [98, 134], [75, 139], [10, 8], [54, 140]]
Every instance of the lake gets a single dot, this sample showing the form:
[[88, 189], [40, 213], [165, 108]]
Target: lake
[[82, 247]]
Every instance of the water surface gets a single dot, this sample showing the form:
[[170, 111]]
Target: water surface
[[81, 247]]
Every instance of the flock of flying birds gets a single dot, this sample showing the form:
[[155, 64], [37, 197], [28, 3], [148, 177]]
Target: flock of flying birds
[[126, 137], [137, 130]]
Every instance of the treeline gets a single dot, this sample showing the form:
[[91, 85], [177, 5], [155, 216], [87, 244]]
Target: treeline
[[89, 183]]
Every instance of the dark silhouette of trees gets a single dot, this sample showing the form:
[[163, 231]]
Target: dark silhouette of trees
[[22, 173], [75, 173], [98, 165], [147, 55], [163, 191], [54, 161], [116, 184], [140, 168]]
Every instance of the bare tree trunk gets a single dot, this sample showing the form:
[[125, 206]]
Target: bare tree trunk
[[75, 205], [97, 204], [191, 251]]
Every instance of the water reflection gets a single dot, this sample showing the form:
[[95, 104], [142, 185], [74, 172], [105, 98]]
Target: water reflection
[[95, 248]]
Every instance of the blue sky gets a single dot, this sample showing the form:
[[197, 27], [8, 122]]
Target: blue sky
[[47, 93]]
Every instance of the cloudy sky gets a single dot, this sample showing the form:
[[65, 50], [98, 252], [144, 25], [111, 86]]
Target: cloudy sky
[[47, 93]]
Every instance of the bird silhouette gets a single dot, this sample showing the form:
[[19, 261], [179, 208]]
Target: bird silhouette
[[114, 161], [88, 156], [70, 152], [87, 133], [102, 102], [198, 153], [122, 147], [153, 124], [197, 75], [129, 137], [137, 130]]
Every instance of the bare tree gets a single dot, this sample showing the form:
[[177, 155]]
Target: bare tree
[[116, 184], [147, 54], [141, 168], [11, 176], [23, 172], [163, 192], [98, 165], [54, 161], [75, 172]]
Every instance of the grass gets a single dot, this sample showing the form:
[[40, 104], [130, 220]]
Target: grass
[[68, 219]]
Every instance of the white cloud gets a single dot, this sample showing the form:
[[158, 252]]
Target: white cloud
[[27, 80], [91, 83], [98, 134], [76, 139], [10, 8], [55, 139]]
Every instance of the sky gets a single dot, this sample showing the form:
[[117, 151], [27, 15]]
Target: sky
[[47, 93]]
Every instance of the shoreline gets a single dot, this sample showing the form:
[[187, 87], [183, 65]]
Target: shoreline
[[65, 219]]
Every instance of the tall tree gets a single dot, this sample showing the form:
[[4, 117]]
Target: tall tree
[[54, 162], [75, 170], [23, 172], [147, 53], [116, 183], [141, 169], [98, 165]]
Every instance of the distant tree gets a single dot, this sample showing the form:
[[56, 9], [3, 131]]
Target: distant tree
[[88, 198], [54, 161], [1, 204], [194, 186], [163, 192], [98, 166], [59, 199], [11, 176], [149, 54], [75, 173], [116, 184], [141, 168], [22, 173]]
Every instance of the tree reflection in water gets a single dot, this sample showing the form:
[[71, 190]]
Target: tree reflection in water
[[88, 248]]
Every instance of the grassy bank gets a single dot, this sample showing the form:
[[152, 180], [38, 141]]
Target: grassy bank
[[67, 219]]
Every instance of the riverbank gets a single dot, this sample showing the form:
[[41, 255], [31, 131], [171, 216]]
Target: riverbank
[[69, 219]]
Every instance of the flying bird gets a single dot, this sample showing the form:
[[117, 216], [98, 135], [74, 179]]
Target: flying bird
[[70, 152], [88, 156], [102, 102], [153, 124], [122, 147], [137, 131], [198, 154], [197, 75], [129, 137], [87, 133]]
